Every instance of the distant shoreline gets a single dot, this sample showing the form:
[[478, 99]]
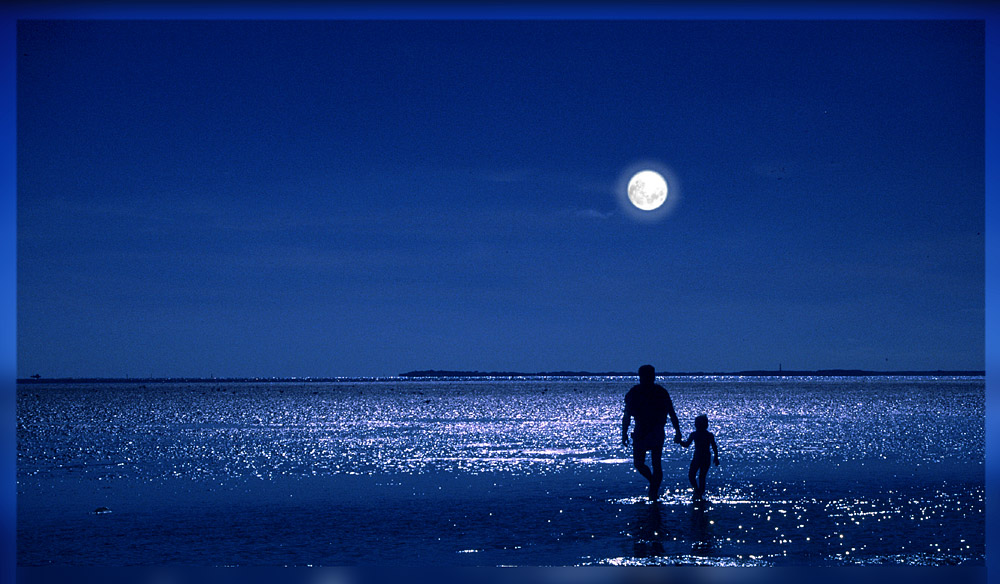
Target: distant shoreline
[[432, 373], [753, 373]]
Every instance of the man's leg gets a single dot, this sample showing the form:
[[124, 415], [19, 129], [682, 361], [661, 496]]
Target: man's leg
[[655, 457], [655, 454], [639, 460]]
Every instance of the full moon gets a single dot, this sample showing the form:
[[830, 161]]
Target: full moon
[[647, 190]]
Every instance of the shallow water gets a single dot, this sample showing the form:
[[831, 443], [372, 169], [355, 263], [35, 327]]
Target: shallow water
[[487, 472]]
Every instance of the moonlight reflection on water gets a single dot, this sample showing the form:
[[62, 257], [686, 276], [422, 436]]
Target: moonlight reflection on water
[[507, 471]]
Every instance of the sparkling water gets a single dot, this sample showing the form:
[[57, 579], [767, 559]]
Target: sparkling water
[[816, 471]]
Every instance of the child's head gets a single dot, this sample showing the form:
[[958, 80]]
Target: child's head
[[701, 422]]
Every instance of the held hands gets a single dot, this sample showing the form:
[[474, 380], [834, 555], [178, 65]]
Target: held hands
[[677, 438]]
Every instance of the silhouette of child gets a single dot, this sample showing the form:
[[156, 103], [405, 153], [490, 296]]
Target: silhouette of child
[[703, 440]]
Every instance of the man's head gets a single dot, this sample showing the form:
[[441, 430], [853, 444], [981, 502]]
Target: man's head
[[647, 374]]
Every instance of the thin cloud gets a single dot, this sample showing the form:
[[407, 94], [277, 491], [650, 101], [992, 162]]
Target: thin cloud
[[594, 214]]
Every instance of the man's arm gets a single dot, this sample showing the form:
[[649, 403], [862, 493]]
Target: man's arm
[[626, 420], [673, 420]]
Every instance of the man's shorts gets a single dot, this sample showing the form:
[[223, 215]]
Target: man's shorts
[[648, 441]]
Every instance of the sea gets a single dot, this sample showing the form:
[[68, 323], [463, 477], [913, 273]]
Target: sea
[[497, 472]]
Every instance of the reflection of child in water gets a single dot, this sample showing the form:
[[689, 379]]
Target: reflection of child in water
[[703, 439]]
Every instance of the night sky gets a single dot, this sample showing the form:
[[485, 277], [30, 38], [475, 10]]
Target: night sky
[[363, 198]]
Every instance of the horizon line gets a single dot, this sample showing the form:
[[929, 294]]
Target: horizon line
[[434, 373]]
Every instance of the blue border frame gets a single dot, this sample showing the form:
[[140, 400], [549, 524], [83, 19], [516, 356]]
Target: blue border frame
[[9, 16]]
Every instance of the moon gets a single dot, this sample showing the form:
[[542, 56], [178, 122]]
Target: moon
[[647, 190]]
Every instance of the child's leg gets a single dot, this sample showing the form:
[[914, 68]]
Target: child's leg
[[702, 472], [691, 475]]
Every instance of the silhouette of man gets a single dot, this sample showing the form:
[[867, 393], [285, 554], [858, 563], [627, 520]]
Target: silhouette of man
[[650, 405]]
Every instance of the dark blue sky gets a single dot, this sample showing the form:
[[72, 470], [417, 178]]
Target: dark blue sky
[[321, 198]]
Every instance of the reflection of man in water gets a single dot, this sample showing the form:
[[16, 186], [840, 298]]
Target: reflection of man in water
[[650, 405]]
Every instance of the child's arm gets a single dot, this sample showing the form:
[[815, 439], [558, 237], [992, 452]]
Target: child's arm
[[715, 449], [686, 443]]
